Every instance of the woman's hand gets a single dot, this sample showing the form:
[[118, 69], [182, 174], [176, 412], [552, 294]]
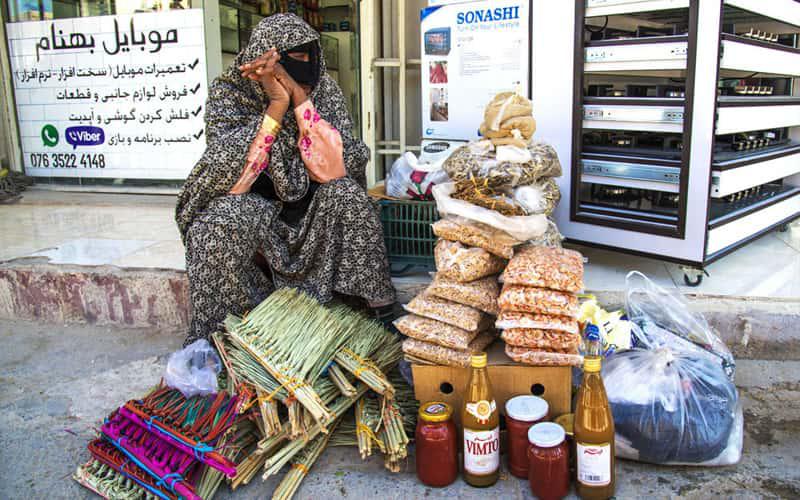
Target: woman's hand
[[262, 70], [320, 145], [246, 180], [296, 92]]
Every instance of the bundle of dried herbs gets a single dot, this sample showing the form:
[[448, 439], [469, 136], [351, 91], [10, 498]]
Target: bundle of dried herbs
[[481, 192]]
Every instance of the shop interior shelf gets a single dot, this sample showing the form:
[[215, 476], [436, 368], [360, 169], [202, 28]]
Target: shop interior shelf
[[595, 8], [736, 227], [729, 159], [636, 101], [646, 56], [723, 212], [735, 177], [734, 116], [633, 118], [634, 154], [646, 219], [787, 11], [754, 56]]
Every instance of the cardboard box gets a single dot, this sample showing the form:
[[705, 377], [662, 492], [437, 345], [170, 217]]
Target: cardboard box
[[508, 379]]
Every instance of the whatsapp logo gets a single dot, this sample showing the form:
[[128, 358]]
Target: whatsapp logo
[[49, 135]]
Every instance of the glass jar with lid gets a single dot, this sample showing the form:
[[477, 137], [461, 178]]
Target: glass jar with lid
[[521, 413], [548, 454], [436, 445]]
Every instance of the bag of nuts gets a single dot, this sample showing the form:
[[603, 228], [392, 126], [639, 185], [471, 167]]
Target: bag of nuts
[[435, 332], [439, 355], [461, 263], [476, 234], [528, 299], [546, 267], [510, 319], [542, 358], [549, 340], [480, 294], [461, 316]]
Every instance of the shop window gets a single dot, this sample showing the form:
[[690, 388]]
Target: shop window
[[45, 10], [38, 10]]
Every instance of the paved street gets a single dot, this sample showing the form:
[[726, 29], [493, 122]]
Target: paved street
[[58, 382]]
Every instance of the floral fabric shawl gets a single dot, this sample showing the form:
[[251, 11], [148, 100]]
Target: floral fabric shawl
[[234, 110]]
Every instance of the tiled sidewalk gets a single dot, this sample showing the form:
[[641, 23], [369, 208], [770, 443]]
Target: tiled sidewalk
[[138, 231]]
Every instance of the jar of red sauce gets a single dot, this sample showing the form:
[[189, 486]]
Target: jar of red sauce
[[548, 454], [566, 421], [521, 413], [436, 445]]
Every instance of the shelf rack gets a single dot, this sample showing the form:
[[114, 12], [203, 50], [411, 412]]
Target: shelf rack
[[732, 170]]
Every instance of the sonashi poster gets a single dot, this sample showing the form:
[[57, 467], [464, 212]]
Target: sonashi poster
[[113, 96], [470, 52]]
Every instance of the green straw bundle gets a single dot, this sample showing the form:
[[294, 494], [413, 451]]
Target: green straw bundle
[[109, 483], [345, 434], [394, 436], [368, 422], [300, 467], [364, 337], [241, 437], [385, 357], [294, 339], [316, 363]]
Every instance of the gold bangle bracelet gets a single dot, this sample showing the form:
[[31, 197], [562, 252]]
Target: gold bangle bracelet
[[270, 126]]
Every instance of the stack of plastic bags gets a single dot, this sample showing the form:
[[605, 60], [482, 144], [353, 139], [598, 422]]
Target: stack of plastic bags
[[453, 318], [539, 306], [672, 394], [507, 179]]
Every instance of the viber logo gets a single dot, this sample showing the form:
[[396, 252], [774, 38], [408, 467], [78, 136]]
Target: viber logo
[[85, 135]]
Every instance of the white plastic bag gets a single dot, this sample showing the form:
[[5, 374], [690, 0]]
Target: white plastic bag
[[540, 198], [660, 313], [193, 370], [673, 406], [411, 180], [672, 395], [522, 228]]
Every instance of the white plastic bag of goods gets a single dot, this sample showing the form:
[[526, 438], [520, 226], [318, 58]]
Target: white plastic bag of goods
[[522, 228]]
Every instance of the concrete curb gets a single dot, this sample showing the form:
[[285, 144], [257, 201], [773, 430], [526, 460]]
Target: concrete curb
[[754, 328], [103, 295]]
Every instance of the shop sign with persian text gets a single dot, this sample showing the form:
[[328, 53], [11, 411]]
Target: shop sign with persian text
[[118, 96]]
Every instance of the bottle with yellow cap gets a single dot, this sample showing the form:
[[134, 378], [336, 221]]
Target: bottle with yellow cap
[[593, 426], [481, 422]]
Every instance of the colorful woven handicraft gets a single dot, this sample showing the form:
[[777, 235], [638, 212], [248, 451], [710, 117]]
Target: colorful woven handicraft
[[302, 375]]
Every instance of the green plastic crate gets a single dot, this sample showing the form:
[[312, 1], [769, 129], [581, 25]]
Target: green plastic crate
[[408, 234]]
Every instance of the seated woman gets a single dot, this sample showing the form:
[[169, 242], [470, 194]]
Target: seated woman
[[283, 186]]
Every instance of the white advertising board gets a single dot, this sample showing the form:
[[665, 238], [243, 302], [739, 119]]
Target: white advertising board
[[470, 52], [112, 96]]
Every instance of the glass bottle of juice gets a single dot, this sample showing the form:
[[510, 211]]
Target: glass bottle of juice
[[481, 422], [594, 427]]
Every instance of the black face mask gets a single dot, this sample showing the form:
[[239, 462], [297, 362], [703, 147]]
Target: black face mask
[[303, 72]]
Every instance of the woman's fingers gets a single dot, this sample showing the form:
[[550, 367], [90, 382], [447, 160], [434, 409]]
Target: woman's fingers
[[259, 60], [269, 65]]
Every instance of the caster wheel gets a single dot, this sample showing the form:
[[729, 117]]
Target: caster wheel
[[692, 283]]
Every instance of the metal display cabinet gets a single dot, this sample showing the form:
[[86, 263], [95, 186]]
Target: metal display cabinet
[[686, 126]]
